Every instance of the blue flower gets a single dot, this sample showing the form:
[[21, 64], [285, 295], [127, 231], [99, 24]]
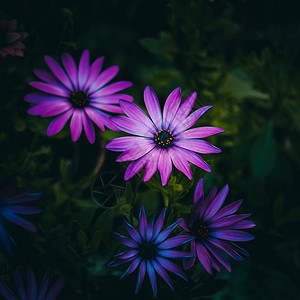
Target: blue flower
[[215, 228], [11, 204], [32, 291], [151, 250]]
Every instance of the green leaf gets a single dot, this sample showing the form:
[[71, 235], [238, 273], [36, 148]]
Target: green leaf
[[263, 155]]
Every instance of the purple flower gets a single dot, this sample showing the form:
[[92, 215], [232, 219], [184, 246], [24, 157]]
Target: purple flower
[[163, 138], [151, 250], [80, 93], [32, 291], [10, 40], [11, 204], [215, 228]]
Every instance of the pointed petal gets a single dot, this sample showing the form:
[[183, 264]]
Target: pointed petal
[[159, 223], [59, 122], [93, 74], [171, 107], [152, 277], [50, 89], [174, 254], [180, 163], [58, 72], [165, 233], [232, 235], [70, 67], [197, 146], [141, 276], [216, 203], [152, 163], [198, 191], [20, 286], [244, 224], [83, 69], [183, 111], [125, 240], [127, 254], [153, 107], [226, 221], [88, 127], [164, 166], [204, 257], [183, 224], [170, 266], [132, 267], [19, 221], [123, 143], [56, 288], [190, 261], [228, 210], [190, 120], [173, 242], [199, 132], [76, 124], [112, 88], [49, 109], [44, 287], [6, 292], [142, 223], [31, 284], [135, 166], [132, 232], [162, 273], [47, 76]]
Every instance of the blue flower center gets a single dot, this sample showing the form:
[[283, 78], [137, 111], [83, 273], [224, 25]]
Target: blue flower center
[[164, 138], [79, 99], [200, 231], [147, 250]]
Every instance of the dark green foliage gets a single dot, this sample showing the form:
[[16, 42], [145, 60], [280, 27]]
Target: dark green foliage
[[242, 57]]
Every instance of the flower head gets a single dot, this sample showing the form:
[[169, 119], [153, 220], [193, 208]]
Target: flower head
[[151, 250], [10, 40], [32, 290], [164, 138], [11, 205], [79, 93], [215, 228]]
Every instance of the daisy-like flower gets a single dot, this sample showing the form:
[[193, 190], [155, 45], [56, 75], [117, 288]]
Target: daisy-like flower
[[11, 204], [32, 291], [215, 228], [151, 250], [163, 138], [79, 93], [10, 40]]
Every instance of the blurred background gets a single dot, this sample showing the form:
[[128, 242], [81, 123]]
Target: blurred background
[[242, 57]]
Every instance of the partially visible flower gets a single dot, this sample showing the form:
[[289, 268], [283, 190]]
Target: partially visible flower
[[32, 293], [11, 205], [215, 228], [151, 250], [164, 138], [10, 40], [79, 93]]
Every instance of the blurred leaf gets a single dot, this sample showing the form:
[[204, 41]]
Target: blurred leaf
[[263, 155]]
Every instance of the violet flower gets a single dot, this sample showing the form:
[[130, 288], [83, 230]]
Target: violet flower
[[79, 93], [215, 228], [164, 138]]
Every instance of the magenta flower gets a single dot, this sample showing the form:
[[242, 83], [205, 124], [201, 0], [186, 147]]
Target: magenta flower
[[163, 138], [80, 93], [215, 228], [10, 40]]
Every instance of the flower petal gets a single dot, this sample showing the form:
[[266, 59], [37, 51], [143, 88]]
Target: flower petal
[[171, 107], [190, 120], [134, 112], [56, 288], [70, 67], [98, 117], [174, 254], [125, 240], [180, 163], [18, 221], [153, 107], [124, 143], [183, 224], [59, 122], [245, 224], [204, 257], [216, 203], [131, 126], [83, 69], [159, 223], [183, 111], [76, 125], [93, 74], [152, 163], [48, 109], [163, 274], [199, 132], [112, 88], [173, 242], [197, 146], [58, 72], [190, 261], [170, 266], [103, 78], [127, 254], [228, 209], [4, 240], [228, 220], [44, 287], [31, 284], [47, 76], [132, 232], [152, 277], [132, 267], [164, 166], [112, 99], [165, 233], [88, 127], [142, 223], [50, 89], [6, 292], [232, 235], [141, 276]]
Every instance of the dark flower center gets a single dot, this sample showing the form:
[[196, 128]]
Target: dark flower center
[[200, 231], [79, 99], [147, 250], [164, 138]]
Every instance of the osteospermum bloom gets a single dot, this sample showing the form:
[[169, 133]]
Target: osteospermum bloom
[[164, 138], [11, 205], [79, 93], [151, 250], [33, 293], [10, 40], [215, 228]]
